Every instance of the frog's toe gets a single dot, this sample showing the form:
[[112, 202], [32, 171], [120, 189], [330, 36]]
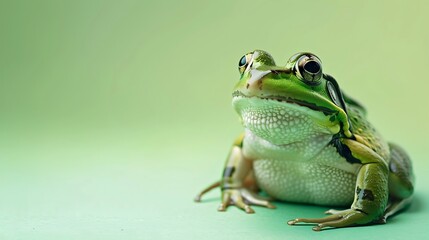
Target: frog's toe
[[338, 219], [313, 220], [239, 202], [206, 190], [254, 199], [345, 221], [334, 211], [226, 199], [234, 198], [242, 198]]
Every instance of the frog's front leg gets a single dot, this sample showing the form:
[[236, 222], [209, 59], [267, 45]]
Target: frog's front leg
[[237, 183], [371, 192], [234, 192]]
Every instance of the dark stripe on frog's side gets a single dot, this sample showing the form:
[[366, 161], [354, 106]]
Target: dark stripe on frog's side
[[343, 150], [364, 194], [324, 110], [228, 171]]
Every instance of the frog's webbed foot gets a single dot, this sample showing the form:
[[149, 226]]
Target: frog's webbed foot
[[337, 218], [242, 198]]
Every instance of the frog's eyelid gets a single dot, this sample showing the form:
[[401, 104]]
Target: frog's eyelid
[[297, 73], [318, 59], [296, 67]]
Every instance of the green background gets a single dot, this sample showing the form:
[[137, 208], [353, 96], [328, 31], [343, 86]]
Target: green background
[[113, 115]]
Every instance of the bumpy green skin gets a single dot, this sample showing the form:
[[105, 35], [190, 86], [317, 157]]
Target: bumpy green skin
[[305, 141]]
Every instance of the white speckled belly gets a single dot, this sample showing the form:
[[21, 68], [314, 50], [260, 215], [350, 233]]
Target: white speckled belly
[[306, 182], [309, 171]]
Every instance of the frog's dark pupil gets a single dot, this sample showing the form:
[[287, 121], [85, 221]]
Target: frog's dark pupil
[[242, 61], [312, 67]]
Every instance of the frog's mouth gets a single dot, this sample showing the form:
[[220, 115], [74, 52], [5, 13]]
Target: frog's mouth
[[290, 100]]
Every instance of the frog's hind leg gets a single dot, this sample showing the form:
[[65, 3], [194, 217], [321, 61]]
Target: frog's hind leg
[[401, 181]]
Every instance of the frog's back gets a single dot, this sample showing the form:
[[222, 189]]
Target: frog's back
[[361, 127]]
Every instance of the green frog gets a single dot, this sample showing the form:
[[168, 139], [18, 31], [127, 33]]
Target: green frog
[[306, 141]]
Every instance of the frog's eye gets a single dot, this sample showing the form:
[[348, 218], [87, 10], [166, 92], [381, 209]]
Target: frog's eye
[[244, 62], [309, 69]]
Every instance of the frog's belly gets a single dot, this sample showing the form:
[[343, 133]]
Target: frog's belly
[[304, 182]]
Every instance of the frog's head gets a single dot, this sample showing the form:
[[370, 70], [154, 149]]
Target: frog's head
[[291, 103]]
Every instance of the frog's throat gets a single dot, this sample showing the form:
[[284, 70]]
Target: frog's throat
[[341, 114]]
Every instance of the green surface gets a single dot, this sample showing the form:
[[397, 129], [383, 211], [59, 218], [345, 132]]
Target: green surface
[[113, 115]]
